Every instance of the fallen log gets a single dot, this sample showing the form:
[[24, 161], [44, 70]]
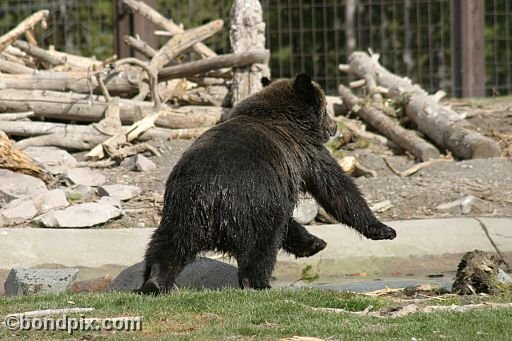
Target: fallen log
[[438, 122], [168, 25], [35, 129], [235, 60], [83, 108], [39, 53], [6, 116], [24, 26], [118, 83], [404, 138], [14, 68]]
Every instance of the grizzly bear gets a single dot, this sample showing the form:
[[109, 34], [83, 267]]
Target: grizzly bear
[[234, 190]]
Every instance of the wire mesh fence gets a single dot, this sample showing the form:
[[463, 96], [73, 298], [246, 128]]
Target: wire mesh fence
[[413, 37]]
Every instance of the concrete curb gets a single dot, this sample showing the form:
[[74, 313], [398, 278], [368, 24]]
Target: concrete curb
[[429, 245]]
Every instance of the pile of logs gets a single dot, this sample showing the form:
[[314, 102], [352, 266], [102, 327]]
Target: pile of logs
[[437, 124], [52, 98]]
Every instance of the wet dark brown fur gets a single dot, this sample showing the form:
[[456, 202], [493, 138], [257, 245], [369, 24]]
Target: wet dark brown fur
[[235, 189]]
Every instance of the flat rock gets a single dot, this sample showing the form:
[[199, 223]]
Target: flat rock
[[22, 282], [203, 273], [15, 185], [81, 215], [305, 211], [20, 210], [121, 192], [84, 176], [138, 163], [54, 160]]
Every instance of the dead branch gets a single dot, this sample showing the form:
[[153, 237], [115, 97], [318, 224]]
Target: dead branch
[[16, 160], [182, 41], [140, 46], [234, 60], [23, 27], [413, 169], [168, 25], [405, 139], [46, 312]]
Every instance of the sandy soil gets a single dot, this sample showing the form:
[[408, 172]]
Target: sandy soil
[[416, 196]]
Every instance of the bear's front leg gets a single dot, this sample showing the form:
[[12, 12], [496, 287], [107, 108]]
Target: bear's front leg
[[299, 242], [340, 197]]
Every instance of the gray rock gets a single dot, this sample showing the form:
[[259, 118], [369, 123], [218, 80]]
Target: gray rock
[[305, 211], [462, 205], [81, 215], [138, 163], [116, 202], [21, 210], [15, 185], [54, 160], [504, 277], [84, 176], [22, 282], [122, 192], [203, 273]]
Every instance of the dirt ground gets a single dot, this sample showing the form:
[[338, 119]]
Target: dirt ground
[[415, 196]]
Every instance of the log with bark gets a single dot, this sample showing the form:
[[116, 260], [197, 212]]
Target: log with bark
[[404, 138], [444, 126]]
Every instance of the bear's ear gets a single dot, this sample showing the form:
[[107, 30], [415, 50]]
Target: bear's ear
[[304, 87], [265, 81]]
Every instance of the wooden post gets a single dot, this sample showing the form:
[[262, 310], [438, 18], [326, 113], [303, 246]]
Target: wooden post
[[127, 23], [247, 32], [123, 26], [468, 47], [145, 30]]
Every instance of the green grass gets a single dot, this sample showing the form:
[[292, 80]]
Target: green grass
[[266, 315]]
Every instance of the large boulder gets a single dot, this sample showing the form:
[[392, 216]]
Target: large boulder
[[203, 273]]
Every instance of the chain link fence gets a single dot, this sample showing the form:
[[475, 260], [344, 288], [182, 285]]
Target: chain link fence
[[413, 37]]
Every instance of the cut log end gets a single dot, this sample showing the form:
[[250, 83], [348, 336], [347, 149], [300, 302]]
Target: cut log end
[[485, 149]]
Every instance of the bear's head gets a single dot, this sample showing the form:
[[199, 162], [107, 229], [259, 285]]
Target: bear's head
[[298, 100]]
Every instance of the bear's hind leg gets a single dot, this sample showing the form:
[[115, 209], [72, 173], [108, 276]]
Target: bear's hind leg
[[163, 265], [255, 266], [299, 242]]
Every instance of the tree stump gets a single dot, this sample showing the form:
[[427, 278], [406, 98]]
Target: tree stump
[[247, 32]]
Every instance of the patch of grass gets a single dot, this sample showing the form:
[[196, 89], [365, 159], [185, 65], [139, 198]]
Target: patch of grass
[[72, 196], [267, 315]]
